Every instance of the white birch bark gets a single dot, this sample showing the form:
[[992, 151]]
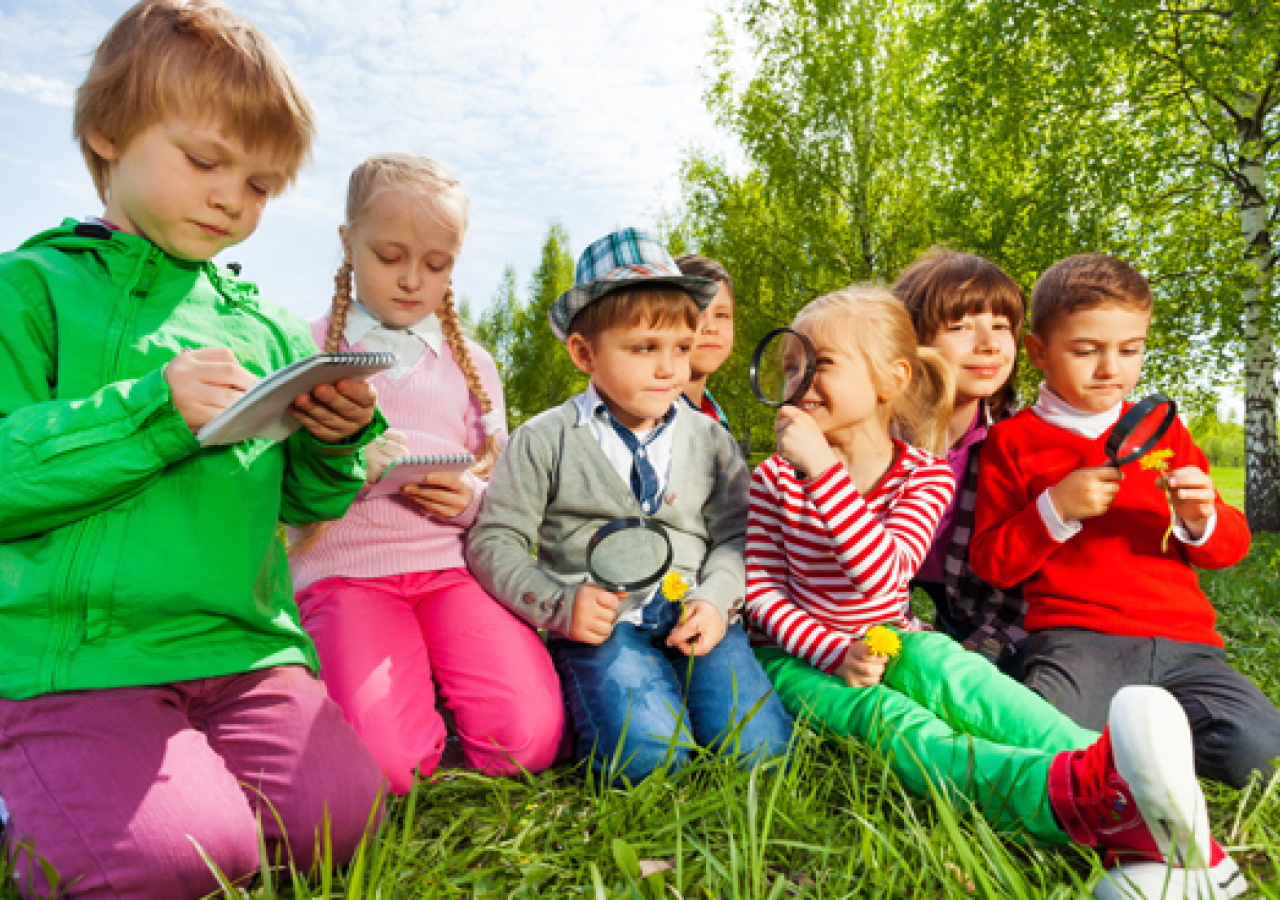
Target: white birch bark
[[1262, 446]]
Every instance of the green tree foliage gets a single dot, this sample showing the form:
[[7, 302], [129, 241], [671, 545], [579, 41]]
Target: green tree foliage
[[1222, 442], [537, 373], [1023, 131], [839, 168], [1173, 110]]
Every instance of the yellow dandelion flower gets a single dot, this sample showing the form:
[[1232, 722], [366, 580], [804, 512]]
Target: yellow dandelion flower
[[675, 586], [883, 641], [1156, 459]]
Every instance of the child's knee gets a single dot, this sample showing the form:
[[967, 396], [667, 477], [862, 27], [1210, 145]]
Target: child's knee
[[764, 732], [158, 855], [522, 736], [347, 804], [639, 756], [1232, 751]]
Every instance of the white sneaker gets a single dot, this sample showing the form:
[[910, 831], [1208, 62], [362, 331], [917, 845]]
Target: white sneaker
[[1151, 744], [1154, 881]]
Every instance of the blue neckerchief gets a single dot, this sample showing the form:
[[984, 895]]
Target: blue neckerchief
[[644, 478]]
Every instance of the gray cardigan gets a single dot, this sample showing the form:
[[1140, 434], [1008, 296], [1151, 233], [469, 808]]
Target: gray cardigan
[[553, 487]]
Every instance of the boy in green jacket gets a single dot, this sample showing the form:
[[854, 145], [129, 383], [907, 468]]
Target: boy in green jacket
[[157, 693]]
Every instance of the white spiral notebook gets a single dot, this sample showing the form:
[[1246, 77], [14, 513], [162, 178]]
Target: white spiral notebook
[[263, 410], [412, 469]]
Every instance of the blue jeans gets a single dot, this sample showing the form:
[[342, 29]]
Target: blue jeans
[[634, 699]]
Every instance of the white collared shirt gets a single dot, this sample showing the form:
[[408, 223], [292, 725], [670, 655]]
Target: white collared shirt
[[407, 344], [1056, 411], [592, 411]]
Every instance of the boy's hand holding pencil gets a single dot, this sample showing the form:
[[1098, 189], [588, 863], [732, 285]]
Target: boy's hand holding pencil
[[204, 382]]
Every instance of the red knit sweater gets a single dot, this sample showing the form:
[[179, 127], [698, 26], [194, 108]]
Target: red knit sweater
[[1112, 576]]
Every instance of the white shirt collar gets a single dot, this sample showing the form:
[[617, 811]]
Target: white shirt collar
[[360, 322], [1056, 411], [587, 403], [590, 404]]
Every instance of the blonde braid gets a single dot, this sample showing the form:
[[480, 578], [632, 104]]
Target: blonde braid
[[339, 309], [452, 329]]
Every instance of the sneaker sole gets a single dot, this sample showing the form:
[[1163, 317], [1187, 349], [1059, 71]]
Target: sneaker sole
[[1151, 743], [1153, 881]]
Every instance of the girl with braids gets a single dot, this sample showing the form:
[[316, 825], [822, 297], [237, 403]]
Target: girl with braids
[[385, 592]]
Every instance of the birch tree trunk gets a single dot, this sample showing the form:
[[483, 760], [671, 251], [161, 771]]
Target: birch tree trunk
[[1262, 445]]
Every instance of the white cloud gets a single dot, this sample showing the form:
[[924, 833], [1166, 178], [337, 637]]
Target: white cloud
[[557, 109], [38, 88]]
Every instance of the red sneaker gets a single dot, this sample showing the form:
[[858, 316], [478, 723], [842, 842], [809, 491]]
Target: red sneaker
[[1134, 792]]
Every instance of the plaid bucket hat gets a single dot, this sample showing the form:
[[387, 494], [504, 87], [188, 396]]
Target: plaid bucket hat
[[620, 260]]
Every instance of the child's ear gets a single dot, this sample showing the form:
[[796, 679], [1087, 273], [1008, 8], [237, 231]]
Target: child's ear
[[1035, 349], [99, 143], [581, 353], [344, 235], [897, 382]]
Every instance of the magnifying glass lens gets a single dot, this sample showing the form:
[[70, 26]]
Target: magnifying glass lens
[[629, 557], [782, 368], [1140, 429], [1143, 433]]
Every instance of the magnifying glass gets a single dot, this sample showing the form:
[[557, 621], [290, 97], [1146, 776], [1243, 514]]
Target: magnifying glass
[[629, 554], [783, 367], [1140, 429]]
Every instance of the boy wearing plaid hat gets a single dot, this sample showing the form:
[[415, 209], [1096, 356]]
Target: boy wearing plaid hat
[[627, 448]]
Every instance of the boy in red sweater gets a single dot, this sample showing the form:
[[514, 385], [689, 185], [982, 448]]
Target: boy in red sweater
[[1107, 605]]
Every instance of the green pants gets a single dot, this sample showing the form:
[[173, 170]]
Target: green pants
[[946, 717]]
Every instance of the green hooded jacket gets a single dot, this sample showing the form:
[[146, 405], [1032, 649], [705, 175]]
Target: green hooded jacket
[[128, 555]]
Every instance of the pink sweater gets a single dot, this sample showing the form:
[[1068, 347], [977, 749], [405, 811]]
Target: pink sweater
[[392, 535]]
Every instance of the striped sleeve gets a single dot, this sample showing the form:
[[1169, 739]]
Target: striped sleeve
[[769, 604], [881, 557]]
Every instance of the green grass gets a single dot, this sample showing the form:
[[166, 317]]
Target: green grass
[[833, 824], [1230, 483]]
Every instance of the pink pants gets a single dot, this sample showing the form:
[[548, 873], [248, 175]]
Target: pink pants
[[117, 787], [382, 639]]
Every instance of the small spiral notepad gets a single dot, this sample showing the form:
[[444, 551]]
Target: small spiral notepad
[[263, 410], [412, 469]]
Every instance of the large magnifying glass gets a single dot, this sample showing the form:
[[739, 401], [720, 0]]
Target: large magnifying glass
[[1140, 429], [783, 367], [629, 554]]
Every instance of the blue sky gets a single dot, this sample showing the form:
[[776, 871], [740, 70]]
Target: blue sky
[[559, 109]]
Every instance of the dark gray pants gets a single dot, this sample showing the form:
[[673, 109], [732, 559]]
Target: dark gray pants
[[1235, 727]]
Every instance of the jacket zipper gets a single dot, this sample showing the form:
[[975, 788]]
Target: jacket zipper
[[88, 531]]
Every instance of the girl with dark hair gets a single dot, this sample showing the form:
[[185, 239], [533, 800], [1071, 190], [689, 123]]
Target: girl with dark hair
[[970, 311]]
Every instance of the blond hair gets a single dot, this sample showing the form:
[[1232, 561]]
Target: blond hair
[[434, 186], [193, 58], [870, 321]]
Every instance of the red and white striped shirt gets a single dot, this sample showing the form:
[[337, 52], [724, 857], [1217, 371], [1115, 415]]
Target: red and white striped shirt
[[824, 563]]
